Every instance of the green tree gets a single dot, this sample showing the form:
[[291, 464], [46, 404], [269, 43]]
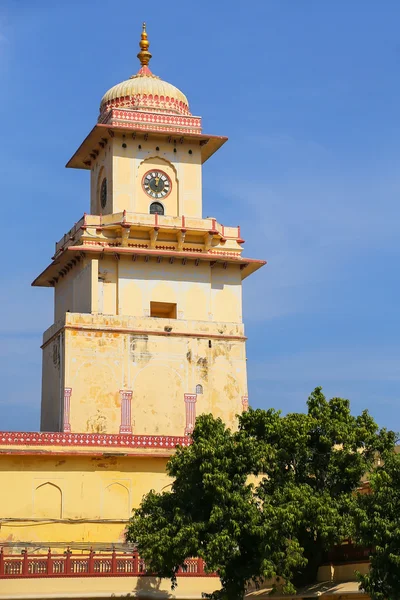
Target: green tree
[[378, 526], [263, 502]]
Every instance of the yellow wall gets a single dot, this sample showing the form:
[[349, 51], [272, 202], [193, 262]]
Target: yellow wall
[[73, 294], [125, 287], [53, 366], [117, 351], [102, 168], [125, 167], [189, 588], [80, 492]]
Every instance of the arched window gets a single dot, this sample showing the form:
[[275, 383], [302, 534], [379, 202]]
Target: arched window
[[103, 193], [156, 208], [116, 501], [48, 501], [199, 389]]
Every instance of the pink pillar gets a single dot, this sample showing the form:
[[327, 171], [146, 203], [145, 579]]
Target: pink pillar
[[190, 409], [245, 403], [67, 408], [126, 419]]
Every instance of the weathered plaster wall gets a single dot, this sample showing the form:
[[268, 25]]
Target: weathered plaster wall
[[104, 356], [73, 498], [107, 354], [52, 384]]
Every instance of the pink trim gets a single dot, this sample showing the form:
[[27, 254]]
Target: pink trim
[[88, 440], [190, 411], [245, 403], [126, 418], [67, 409]]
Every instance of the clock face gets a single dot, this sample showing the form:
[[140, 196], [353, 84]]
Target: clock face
[[156, 184]]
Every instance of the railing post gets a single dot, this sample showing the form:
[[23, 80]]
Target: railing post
[[113, 562], [200, 566], [49, 563], [91, 561], [135, 558], [68, 562], [1, 561], [24, 562]]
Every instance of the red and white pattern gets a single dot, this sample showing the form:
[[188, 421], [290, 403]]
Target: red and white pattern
[[146, 101], [67, 409], [87, 440], [126, 418], [157, 121], [245, 403], [190, 409]]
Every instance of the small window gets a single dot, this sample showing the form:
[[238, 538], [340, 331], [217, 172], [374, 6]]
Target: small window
[[156, 208], [163, 310], [199, 389], [103, 193]]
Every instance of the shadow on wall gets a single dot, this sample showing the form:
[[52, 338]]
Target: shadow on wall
[[147, 585]]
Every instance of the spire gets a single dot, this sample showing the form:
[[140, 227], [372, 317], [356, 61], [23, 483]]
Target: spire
[[144, 55]]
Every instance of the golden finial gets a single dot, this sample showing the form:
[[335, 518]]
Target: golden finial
[[144, 55]]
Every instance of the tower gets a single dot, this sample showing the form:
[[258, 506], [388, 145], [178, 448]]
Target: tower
[[148, 328]]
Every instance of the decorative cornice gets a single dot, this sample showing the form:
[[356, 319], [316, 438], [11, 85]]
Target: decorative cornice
[[90, 440], [114, 116]]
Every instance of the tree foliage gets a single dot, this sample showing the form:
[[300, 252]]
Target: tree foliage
[[378, 526], [264, 502]]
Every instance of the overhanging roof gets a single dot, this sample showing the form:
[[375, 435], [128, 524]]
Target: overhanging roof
[[247, 265], [80, 160]]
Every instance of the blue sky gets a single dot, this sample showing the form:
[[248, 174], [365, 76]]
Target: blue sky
[[308, 93]]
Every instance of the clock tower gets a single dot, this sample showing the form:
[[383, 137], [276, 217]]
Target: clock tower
[[148, 329]]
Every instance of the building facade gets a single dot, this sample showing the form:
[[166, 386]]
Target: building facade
[[147, 334]]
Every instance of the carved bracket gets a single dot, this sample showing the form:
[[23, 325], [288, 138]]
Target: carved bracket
[[153, 237], [125, 233], [181, 239], [208, 238]]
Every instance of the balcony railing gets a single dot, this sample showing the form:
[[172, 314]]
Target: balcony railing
[[111, 564], [116, 564], [165, 222]]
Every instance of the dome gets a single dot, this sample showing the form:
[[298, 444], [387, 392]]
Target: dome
[[145, 91]]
